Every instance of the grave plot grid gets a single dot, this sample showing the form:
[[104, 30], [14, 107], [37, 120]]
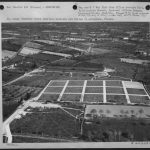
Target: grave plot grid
[[114, 90], [76, 83], [51, 89], [71, 97], [95, 91], [98, 98], [73, 90], [95, 83], [119, 99], [114, 83], [58, 83], [49, 97]]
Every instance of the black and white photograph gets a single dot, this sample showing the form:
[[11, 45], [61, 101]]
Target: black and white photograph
[[75, 82]]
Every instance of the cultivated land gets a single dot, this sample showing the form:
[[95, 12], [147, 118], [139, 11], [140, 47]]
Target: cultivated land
[[54, 88]]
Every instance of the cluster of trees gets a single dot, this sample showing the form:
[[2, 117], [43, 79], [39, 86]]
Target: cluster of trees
[[9, 45], [10, 106]]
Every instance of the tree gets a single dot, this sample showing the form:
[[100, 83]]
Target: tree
[[132, 112], [141, 111], [122, 111], [28, 95], [93, 112], [100, 112]]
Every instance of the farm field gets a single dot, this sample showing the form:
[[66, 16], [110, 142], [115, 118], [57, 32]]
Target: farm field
[[10, 75], [12, 92], [6, 54], [36, 123], [64, 95]]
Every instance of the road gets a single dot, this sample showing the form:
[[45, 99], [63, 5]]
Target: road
[[74, 48]]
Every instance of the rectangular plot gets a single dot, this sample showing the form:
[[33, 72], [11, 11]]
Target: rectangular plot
[[136, 91], [71, 97], [54, 89], [95, 83], [48, 97], [114, 90], [93, 98], [119, 99], [139, 99], [58, 83], [73, 90], [113, 83], [76, 83], [94, 90]]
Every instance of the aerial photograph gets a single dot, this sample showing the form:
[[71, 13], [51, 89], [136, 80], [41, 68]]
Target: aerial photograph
[[75, 82]]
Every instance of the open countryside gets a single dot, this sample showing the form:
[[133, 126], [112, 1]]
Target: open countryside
[[75, 82]]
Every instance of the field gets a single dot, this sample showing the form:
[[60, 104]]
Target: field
[[92, 108], [48, 124], [13, 96], [10, 75], [6, 54], [16, 92]]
